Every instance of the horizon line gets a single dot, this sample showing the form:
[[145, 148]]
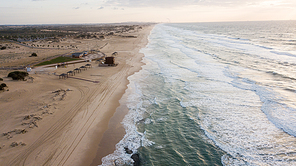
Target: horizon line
[[133, 22]]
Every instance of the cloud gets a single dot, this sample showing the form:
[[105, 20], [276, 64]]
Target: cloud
[[149, 3], [76, 8], [100, 8], [116, 8], [180, 3]]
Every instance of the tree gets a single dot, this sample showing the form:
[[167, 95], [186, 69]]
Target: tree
[[34, 55], [18, 75], [2, 86]]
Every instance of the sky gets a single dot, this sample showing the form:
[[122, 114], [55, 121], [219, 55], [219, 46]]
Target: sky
[[20, 12]]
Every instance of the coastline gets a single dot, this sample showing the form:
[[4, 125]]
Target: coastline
[[114, 131], [70, 134]]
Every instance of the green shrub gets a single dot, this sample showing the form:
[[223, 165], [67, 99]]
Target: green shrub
[[34, 55], [18, 75], [2, 86]]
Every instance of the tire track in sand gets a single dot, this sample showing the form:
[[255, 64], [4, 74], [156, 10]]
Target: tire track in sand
[[57, 129], [50, 134], [106, 94]]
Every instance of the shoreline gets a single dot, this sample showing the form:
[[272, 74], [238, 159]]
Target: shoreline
[[71, 133], [115, 131]]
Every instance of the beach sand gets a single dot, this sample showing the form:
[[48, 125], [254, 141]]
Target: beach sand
[[53, 121]]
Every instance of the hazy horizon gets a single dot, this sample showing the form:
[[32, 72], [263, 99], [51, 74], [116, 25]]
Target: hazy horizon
[[126, 23], [35, 12]]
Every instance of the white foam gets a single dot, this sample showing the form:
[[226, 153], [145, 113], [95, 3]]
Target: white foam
[[133, 138], [245, 118], [240, 116]]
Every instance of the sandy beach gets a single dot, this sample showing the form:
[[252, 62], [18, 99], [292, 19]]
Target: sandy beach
[[52, 121]]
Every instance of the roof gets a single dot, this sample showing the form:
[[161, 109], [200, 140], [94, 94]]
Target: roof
[[77, 53]]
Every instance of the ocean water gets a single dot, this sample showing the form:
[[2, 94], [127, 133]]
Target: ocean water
[[213, 94]]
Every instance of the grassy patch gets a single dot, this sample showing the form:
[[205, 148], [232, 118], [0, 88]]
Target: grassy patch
[[57, 60]]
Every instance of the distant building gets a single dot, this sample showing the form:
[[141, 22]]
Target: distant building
[[110, 60], [29, 69], [77, 55]]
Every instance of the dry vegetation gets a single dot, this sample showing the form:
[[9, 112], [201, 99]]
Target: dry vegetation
[[18, 43]]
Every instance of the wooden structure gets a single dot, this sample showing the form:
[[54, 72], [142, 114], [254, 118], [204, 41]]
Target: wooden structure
[[110, 61], [83, 68], [72, 73], [77, 70], [88, 65], [63, 76]]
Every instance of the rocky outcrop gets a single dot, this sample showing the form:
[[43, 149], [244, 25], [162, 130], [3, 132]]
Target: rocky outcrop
[[135, 157]]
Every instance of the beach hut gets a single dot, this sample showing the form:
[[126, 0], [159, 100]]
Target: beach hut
[[110, 61]]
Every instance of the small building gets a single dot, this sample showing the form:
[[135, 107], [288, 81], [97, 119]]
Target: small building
[[109, 60], [77, 55], [85, 53], [29, 69]]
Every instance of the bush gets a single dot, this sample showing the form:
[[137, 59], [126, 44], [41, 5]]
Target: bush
[[1, 79], [3, 48], [2, 86], [18, 75], [34, 55]]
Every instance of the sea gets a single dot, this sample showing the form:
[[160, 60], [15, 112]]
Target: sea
[[213, 94]]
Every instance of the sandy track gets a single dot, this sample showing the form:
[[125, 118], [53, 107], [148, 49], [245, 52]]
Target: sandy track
[[71, 138], [72, 134]]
